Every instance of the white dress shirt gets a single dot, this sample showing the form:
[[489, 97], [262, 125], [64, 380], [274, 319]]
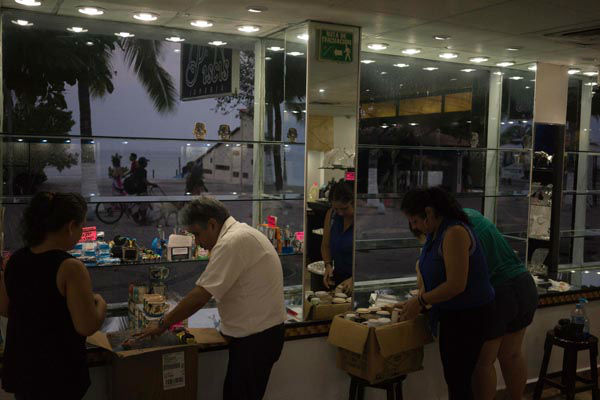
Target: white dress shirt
[[245, 276]]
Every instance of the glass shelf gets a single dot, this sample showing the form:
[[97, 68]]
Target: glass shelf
[[584, 233], [169, 199], [439, 148], [457, 195], [581, 193], [32, 138]]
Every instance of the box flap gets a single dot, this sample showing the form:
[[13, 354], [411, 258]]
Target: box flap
[[348, 335], [99, 339], [403, 336], [207, 336]]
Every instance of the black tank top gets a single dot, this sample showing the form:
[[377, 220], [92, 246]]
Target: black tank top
[[43, 350]]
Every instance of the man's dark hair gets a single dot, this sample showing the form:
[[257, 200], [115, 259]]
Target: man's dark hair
[[199, 211]]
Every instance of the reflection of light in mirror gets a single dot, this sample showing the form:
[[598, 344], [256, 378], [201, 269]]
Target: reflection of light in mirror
[[28, 3], [248, 28], [367, 61], [573, 71], [505, 64], [93, 11], [295, 54], [275, 48], [401, 65], [430, 68], [468, 70], [411, 52], [378, 46], [304, 36], [217, 43], [77, 29], [448, 56], [124, 34], [479, 59], [146, 16], [321, 90], [413, 123], [19, 140], [202, 23], [532, 68], [516, 78], [22, 22], [175, 39]]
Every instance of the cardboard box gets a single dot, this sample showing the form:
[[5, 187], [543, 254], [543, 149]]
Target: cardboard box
[[381, 353], [322, 312], [158, 373]]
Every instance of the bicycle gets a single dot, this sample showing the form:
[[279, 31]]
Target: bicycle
[[141, 213]]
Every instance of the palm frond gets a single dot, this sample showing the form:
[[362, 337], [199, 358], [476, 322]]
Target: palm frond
[[143, 56]]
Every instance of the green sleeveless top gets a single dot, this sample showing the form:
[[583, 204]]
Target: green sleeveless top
[[503, 263]]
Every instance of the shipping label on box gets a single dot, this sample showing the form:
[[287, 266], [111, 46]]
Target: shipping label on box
[[173, 370]]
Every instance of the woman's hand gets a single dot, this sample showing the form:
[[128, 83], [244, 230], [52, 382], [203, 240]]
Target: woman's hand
[[328, 275], [412, 308]]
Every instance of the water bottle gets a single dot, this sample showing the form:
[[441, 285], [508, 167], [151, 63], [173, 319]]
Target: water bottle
[[579, 319]]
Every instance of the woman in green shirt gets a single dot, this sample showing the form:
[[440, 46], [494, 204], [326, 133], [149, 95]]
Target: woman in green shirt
[[514, 308]]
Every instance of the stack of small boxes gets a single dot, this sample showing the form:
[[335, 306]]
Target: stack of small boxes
[[144, 307]]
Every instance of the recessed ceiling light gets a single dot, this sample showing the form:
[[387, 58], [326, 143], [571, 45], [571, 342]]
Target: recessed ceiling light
[[89, 43], [511, 122], [177, 50], [217, 43], [479, 59], [22, 22], [385, 126], [453, 79], [401, 65], [514, 48], [468, 70], [516, 78], [505, 64], [202, 23], [93, 11], [411, 52], [268, 58], [413, 123], [304, 36], [383, 73], [441, 37], [497, 73], [591, 73], [378, 46], [248, 28], [44, 140], [19, 140], [77, 29], [321, 90], [430, 68], [28, 3], [295, 54], [175, 39], [145, 16], [573, 71], [367, 61], [591, 84], [275, 48], [448, 56], [256, 9], [124, 34], [527, 87]]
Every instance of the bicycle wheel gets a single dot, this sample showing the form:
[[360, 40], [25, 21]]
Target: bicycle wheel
[[109, 213]]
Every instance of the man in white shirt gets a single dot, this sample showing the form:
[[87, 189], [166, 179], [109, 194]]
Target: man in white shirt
[[245, 277]]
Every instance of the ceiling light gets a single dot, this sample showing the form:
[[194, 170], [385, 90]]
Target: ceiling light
[[591, 84], [511, 122], [448, 56], [124, 34], [93, 11], [217, 43], [441, 37], [413, 123], [202, 23], [479, 59], [430, 68], [497, 73], [453, 79], [89, 43], [22, 22], [411, 52], [19, 140], [513, 48], [268, 58], [248, 28], [145, 16], [468, 70], [591, 73], [527, 87], [321, 90], [505, 64], [44, 140], [275, 48], [28, 3], [378, 46], [256, 9], [524, 121], [304, 36], [175, 39], [367, 61], [177, 50], [532, 67], [77, 29], [401, 65], [573, 71], [385, 126], [516, 78], [383, 73], [295, 54]]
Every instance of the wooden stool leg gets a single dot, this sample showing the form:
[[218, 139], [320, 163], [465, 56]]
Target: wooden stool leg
[[569, 373], [537, 394], [353, 388], [594, 371]]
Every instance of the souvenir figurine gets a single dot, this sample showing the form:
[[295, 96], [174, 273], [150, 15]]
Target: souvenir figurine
[[224, 132], [200, 131], [292, 135]]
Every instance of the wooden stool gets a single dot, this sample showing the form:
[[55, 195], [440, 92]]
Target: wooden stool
[[569, 371], [393, 387]]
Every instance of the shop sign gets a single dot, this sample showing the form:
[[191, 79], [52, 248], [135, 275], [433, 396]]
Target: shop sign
[[335, 46], [89, 234], [272, 220], [208, 72]]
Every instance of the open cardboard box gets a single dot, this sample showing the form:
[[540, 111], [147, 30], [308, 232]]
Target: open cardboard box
[[158, 373], [381, 353], [322, 312]]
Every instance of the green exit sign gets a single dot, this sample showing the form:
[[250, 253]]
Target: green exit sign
[[335, 46]]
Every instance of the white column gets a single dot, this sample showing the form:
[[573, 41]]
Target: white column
[[259, 115], [582, 172], [493, 142]]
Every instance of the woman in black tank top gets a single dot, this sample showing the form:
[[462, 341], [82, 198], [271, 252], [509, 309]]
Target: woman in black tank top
[[47, 293]]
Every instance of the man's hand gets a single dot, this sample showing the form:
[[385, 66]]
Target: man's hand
[[152, 330]]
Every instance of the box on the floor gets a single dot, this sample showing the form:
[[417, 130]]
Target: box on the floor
[[160, 373], [379, 353], [321, 312]]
